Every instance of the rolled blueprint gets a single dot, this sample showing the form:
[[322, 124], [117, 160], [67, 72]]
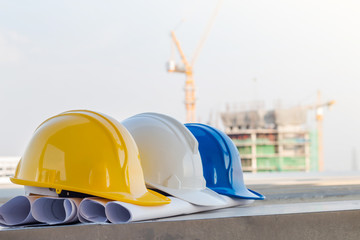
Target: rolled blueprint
[[17, 211], [93, 210], [24, 210], [53, 210], [120, 212]]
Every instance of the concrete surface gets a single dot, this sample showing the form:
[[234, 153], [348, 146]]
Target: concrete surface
[[282, 188], [333, 220], [298, 206]]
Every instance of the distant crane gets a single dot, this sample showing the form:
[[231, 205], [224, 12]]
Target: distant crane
[[319, 109], [187, 67]]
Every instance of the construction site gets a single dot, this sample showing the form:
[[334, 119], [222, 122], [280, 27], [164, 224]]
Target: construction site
[[274, 140], [281, 162], [268, 140], [279, 139]]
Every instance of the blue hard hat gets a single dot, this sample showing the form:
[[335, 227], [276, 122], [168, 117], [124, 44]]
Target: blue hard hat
[[221, 162]]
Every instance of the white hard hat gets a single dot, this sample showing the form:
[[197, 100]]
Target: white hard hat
[[170, 158]]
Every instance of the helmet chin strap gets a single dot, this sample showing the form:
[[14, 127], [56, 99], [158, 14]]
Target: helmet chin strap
[[65, 194]]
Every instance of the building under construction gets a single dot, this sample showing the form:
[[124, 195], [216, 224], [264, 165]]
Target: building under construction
[[272, 140]]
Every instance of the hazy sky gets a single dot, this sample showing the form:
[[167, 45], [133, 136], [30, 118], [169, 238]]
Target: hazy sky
[[110, 57]]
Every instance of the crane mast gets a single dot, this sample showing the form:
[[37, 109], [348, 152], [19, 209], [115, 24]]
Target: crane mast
[[190, 98], [319, 117], [187, 68]]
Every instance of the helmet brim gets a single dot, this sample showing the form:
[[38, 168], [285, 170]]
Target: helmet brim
[[201, 197], [240, 193]]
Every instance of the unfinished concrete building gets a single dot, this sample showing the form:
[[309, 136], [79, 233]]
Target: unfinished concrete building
[[273, 140]]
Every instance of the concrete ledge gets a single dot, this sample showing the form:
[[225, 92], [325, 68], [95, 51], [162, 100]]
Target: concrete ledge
[[326, 220]]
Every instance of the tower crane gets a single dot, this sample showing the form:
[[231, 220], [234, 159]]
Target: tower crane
[[187, 67], [319, 111]]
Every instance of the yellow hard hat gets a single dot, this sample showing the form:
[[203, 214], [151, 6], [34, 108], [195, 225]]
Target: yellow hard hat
[[86, 152]]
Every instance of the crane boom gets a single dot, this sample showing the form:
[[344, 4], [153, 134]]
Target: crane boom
[[206, 32], [190, 98], [181, 52]]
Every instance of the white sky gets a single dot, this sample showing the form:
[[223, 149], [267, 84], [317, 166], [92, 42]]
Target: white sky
[[110, 57]]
